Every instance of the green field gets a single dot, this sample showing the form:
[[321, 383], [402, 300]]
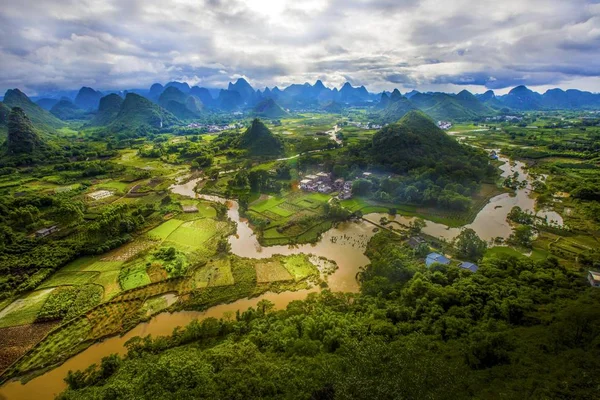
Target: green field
[[215, 273], [165, 229], [134, 277], [65, 278], [25, 309], [193, 234]]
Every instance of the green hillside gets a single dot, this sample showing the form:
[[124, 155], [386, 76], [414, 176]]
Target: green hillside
[[171, 94], [396, 110], [4, 111], [180, 110], [24, 144], [416, 142], [259, 140], [138, 111], [108, 110], [38, 116], [66, 110], [269, 109]]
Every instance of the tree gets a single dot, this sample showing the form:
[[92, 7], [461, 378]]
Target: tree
[[522, 236], [416, 225], [468, 245]]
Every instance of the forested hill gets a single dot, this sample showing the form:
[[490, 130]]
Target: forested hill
[[515, 329], [138, 111], [41, 118], [259, 140], [415, 142]]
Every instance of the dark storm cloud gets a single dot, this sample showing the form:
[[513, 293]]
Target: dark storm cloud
[[64, 44]]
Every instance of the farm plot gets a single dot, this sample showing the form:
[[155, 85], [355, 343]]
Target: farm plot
[[69, 278], [129, 250], [299, 266], [134, 277], [271, 271], [58, 304], [193, 234], [215, 273], [109, 280], [163, 231], [24, 310], [92, 264], [56, 347], [16, 340]]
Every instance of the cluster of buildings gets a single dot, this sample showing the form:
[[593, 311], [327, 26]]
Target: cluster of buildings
[[367, 125], [214, 128], [433, 258], [100, 194], [501, 118], [322, 183], [445, 125]]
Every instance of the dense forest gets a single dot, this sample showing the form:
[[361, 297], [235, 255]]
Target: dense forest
[[515, 328]]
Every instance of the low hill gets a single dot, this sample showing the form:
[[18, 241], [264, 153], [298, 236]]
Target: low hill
[[269, 109], [108, 109], [203, 95], [523, 98], [333, 107], [137, 111], [489, 99], [467, 100], [22, 136], [194, 104], [260, 141], [171, 93], [66, 110], [396, 110], [37, 115], [229, 100], [416, 142], [180, 110], [88, 99]]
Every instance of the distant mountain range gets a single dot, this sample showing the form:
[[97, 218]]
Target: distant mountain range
[[177, 101]]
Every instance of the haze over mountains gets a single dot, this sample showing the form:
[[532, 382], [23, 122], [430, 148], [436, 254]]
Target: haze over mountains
[[170, 104]]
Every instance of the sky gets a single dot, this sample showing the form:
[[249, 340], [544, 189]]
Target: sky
[[429, 45]]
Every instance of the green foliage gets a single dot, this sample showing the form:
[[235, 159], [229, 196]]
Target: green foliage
[[259, 141], [22, 136], [41, 118], [522, 236], [137, 111], [107, 110], [468, 245], [58, 303], [269, 109]]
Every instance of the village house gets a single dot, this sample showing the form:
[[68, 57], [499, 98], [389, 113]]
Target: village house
[[594, 278], [469, 266], [415, 242], [46, 231], [324, 177], [445, 125], [433, 258]]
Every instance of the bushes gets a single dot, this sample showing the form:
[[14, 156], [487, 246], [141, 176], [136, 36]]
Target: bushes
[[58, 303]]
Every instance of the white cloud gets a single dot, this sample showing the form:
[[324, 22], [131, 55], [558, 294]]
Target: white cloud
[[383, 44]]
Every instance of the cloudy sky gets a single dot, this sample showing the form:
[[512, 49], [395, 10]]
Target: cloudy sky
[[428, 45]]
